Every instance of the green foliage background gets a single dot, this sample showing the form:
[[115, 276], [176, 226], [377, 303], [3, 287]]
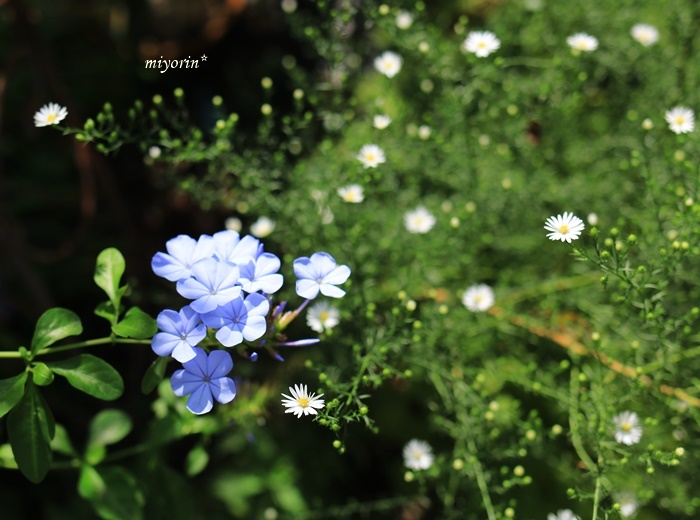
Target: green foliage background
[[517, 402]]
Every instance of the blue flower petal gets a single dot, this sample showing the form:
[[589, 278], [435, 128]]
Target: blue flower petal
[[307, 288], [223, 389], [200, 401], [219, 364], [164, 343]]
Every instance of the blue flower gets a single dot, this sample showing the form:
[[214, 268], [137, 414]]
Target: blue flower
[[239, 319], [183, 253], [261, 274], [229, 247], [204, 379], [319, 273], [212, 284], [181, 331]]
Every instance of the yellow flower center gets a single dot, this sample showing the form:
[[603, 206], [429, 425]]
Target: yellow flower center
[[626, 427], [323, 316], [349, 197], [417, 455], [478, 298], [563, 229], [481, 45], [51, 118], [680, 120], [303, 402], [370, 157]]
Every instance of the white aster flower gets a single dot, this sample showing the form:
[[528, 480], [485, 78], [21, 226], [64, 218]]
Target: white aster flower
[[233, 224], [371, 155], [424, 132], [481, 43], [389, 64], [417, 455], [380, 122], [681, 120], [645, 34], [420, 220], [262, 227], [565, 227], [478, 298], [582, 42], [404, 20], [627, 428], [563, 514], [628, 503], [50, 114], [322, 316], [301, 403], [352, 193], [592, 219], [154, 152]]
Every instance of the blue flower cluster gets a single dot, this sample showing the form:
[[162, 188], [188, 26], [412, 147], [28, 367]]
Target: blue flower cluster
[[229, 281]]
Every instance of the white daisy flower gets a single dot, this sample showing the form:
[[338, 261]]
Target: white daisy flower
[[627, 428], [380, 122], [417, 455], [481, 43], [50, 114], [404, 20], [592, 219], [478, 298], [582, 42], [371, 156], [301, 403], [322, 316], [352, 193], [645, 34], [424, 132], [233, 224], [565, 227], [154, 152], [262, 227], [563, 514], [681, 120], [420, 220], [628, 503], [388, 64]]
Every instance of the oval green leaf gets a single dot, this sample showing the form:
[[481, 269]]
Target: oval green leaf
[[30, 428], [109, 427], [11, 391], [197, 460], [53, 325], [123, 498], [108, 273], [41, 374], [91, 375], [91, 486], [136, 324], [154, 375]]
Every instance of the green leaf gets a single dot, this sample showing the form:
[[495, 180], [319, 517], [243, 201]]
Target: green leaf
[[91, 486], [30, 428], [53, 325], [11, 391], [108, 273], [154, 375], [122, 498], [197, 460], [108, 427], [91, 375], [61, 442], [41, 374], [106, 310], [95, 454], [136, 324]]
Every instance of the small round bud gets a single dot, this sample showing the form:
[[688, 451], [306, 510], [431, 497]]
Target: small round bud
[[647, 124], [266, 83], [384, 9], [322, 377], [632, 239], [408, 476], [157, 99], [458, 464], [530, 435], [179, 93], [337, 444], [424, 47], [679, 452], [266, 109], [411, 305], [509, 512], [518, 471], [298, 94], [364, 410]]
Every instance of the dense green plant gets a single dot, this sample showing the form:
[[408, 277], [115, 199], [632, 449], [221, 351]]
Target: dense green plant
[[524, 401]]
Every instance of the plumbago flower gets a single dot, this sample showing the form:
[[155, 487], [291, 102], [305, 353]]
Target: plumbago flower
[[181, 331], [321, 274], [230, 281], [204, 379]]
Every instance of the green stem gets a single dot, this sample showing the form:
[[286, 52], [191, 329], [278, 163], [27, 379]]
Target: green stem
[[481, 481], [573, 423], [596, 497], [80, 344]]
